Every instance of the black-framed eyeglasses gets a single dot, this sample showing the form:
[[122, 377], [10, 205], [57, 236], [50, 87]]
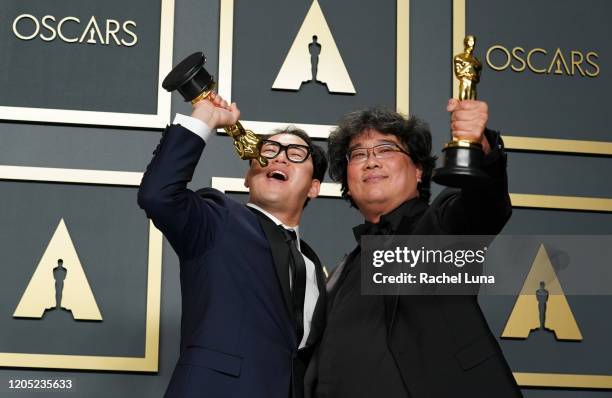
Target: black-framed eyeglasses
[[295, 153], [380, 151]]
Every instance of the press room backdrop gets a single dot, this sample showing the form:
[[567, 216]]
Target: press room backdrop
[[82, 110]]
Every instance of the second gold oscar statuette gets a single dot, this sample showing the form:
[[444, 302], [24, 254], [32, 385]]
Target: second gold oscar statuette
[[463, 158]]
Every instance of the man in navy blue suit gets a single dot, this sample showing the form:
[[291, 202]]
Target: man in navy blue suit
[[253, 295]]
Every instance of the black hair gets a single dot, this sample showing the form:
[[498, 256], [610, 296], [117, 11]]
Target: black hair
[[413, 134], [319, 160]]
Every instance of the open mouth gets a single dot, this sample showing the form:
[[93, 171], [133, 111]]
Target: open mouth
[[277, 175]]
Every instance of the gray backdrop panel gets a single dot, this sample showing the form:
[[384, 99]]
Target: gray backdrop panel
[[111, 241], [328, 221], [80, 76]]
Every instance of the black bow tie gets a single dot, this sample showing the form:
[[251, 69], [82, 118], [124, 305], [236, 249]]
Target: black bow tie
[[383, 227]]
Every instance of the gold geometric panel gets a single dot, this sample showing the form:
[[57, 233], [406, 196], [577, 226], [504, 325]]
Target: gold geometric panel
[[226, 45], [524, 143], [542, 301], [236, 185], [150, 361], [158, 120], [41, 293], [330, 68], [333, 190]]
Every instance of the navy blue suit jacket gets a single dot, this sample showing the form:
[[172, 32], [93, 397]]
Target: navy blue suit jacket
[[238, 337]]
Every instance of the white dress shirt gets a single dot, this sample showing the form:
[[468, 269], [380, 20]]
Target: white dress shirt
[[194, 125], [312, 289]]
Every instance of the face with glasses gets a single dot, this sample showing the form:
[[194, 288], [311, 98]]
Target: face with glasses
[[295, 153], [287, 181], [380, 173]]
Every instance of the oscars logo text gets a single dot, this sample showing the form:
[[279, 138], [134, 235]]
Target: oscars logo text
[[70, 30]]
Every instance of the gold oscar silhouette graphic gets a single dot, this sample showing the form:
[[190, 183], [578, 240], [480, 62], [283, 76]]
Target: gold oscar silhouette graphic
[[59, 282], [314, 56], [542, 305]]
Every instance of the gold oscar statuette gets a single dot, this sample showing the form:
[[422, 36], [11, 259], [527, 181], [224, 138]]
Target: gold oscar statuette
[[463, 158], [195, 84]]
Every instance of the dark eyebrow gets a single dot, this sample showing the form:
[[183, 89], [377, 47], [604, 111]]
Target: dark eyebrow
[[287, 145], [379, 142], [350, 148]]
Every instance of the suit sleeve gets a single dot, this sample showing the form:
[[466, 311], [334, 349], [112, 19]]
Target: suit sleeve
[[479, 211], [190, 221]]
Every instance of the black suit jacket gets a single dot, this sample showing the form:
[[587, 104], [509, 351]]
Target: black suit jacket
[[237, 333], [442, 345]]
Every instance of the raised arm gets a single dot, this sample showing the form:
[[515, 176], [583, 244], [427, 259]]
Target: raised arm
[[189, 221], [478, 211]]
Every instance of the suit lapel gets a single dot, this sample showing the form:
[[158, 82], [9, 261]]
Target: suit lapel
[[319, 315], [280, 256], [334, 277], [412, 214]]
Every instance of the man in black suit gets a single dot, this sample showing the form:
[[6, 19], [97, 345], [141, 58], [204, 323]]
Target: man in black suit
[[410, 346], [253, 294]]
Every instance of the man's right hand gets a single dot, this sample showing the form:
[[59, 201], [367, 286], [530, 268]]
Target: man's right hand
[[216, 112]]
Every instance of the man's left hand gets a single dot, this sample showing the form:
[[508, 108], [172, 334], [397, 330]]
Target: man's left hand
[[469, 120]]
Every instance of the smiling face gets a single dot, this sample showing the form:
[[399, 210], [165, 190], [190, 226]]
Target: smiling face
[[378, 186], [282, 186]]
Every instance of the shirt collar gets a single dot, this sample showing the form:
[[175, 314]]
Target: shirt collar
[[277, 221], [395, 216]]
